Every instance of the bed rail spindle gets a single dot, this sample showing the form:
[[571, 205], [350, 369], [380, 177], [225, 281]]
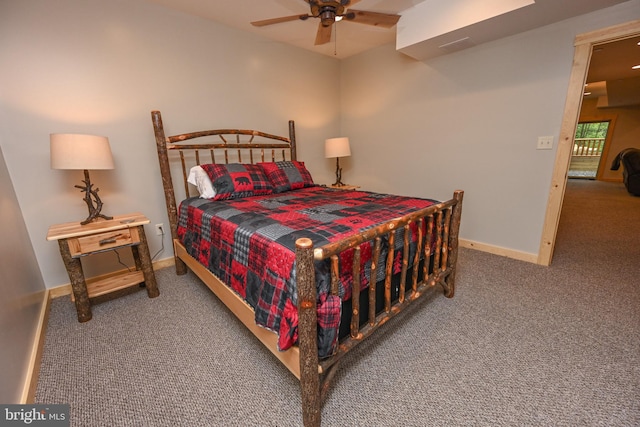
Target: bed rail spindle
[[292, 140], [405, 261], [273, 155], [226, 153], [213, 157], [251, 156], [239, 152], [262, 155], [184, 174], [389, 271], [427, 247], [355, 295], [438, 248], [445, 240], [335, 275], [197, 157], [416, 258], [375, 256]]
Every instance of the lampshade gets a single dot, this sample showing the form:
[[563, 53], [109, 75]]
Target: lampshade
[[74, 151], [337, 147]]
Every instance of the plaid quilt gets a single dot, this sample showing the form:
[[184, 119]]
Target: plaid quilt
[[249, 244]]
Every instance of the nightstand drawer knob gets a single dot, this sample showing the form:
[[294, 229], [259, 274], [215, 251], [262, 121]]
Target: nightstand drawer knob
[[107, 241]]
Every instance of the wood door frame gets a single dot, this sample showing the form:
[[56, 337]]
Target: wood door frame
[[582, 56]]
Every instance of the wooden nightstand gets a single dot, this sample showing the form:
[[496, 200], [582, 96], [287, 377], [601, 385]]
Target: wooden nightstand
[[345, 187], [77, 241]]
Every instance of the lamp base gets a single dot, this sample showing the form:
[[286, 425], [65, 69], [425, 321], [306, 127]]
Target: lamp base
[[91, 197], [338, 182]]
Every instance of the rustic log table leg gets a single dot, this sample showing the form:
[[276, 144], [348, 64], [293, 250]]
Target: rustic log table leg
[[143, 261], [78, 284]]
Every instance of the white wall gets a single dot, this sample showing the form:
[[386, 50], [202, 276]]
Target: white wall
[[23, 294], [479, 111], [100, 67]]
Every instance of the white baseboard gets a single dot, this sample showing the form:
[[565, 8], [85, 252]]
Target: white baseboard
[[497, 250], [33, 368]]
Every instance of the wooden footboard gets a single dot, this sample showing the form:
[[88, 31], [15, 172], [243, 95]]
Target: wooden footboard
[[437, 245], [442, 225]]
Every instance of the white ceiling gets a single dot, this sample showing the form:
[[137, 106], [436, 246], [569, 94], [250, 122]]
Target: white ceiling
[[353, 38], [611, 77], [432, 27]]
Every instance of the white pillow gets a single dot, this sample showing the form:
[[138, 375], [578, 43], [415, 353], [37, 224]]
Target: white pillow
[[199, 178]]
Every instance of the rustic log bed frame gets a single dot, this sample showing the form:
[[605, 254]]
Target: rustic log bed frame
[[315, 375]]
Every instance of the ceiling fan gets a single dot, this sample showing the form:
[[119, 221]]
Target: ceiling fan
[[330, 12]]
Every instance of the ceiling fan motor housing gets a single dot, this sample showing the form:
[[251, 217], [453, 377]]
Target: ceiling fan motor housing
[[327, 16], [327, 10]]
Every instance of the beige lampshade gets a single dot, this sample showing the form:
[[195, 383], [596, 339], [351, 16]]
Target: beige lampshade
[[337, 147], [75, 151]]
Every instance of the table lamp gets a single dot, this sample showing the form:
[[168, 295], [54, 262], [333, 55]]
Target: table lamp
[[83, 152], [337, 147]]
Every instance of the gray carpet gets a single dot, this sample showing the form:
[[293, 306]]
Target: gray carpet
[[519, 345]]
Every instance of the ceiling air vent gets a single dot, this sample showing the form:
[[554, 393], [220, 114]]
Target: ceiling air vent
[[457, 45]]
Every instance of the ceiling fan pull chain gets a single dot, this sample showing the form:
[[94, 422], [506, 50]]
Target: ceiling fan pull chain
[[335, 39]]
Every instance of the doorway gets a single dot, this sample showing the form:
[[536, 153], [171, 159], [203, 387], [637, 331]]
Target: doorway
[[584, 44]]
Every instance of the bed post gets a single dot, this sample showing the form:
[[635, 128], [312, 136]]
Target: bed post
[[167, 183], [292, 138], [308, 333], [456, 216]]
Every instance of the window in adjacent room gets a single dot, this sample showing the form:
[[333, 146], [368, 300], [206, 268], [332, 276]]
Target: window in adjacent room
[[588, 145]]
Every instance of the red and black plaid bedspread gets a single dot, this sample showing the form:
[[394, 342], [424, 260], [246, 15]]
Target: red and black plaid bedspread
[[249, 244]]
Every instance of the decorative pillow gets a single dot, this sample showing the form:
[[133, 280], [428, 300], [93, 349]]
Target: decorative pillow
[[199, 178], [235, 180], [287, 175]]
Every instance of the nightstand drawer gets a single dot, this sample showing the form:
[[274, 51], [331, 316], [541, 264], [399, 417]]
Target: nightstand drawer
[[103, 241]]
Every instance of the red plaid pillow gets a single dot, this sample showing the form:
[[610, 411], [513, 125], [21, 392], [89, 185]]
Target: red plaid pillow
[[235, 180], [287, 175]]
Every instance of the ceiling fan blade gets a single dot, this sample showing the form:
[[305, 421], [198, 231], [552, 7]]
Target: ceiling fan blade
[[323, 35], [384, 20], [279, 20]]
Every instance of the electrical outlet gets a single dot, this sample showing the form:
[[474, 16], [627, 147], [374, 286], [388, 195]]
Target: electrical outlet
[[160, 229], [545, 143]]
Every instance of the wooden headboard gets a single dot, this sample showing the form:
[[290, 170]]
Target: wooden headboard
[[214, 146]]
